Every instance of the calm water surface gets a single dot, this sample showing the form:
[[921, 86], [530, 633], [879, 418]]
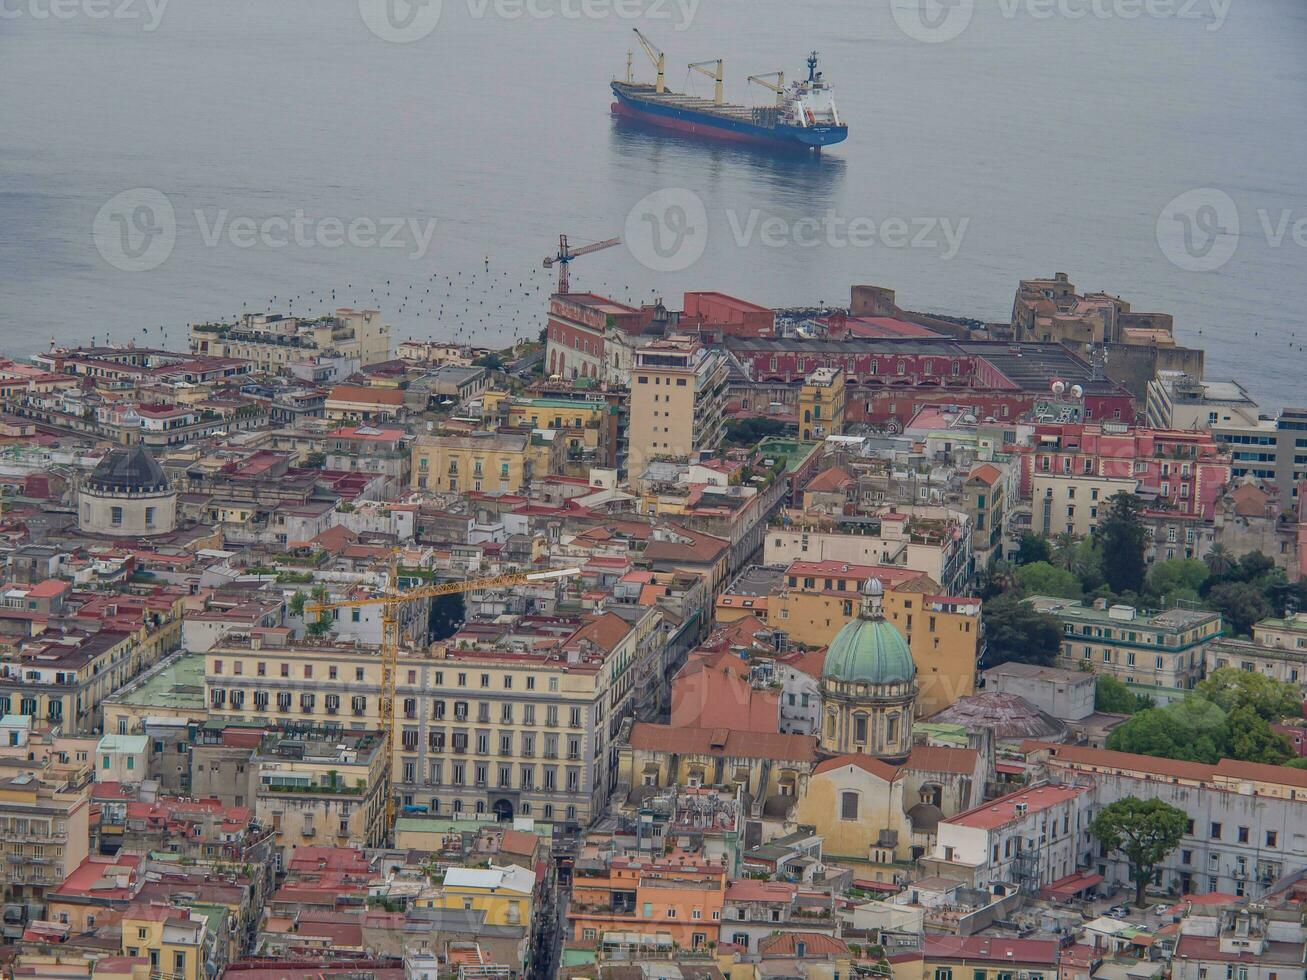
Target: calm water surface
[[1055, 142]]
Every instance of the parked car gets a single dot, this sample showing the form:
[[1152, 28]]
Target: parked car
[[1119, 912]]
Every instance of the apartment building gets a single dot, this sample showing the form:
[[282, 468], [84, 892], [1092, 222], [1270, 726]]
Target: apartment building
[[1247, 823], [177, 942], [989, 958], [520, 721], [1161, 653], [678, 894], [935, 542], [1183, 469], [821, 404], [44, 834], [274, 342], [1073, 504], [816, 599], [1021, 842], [483, 461], [62, 677], [1278, 649], [321, 786], [678, 393]]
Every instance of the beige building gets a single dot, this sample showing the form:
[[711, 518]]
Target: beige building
[[1072, 504], [477, 730], [1162, 654], [322, 787], [1278, 649], [856, 803], [44, 831], [482, 462], [821, 404], [273, 342], [678, 391]]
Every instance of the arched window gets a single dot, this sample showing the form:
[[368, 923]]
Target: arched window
[[860, 729]]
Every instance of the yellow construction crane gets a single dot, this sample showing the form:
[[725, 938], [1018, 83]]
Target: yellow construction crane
[[716, 75], [656, 56], [777, 86], [390, 603]]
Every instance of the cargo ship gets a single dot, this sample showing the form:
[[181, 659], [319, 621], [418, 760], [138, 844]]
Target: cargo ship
[[803, 117]]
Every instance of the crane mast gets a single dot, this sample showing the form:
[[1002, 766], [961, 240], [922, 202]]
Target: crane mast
[[716, 75], [656, 56], [390, 607]]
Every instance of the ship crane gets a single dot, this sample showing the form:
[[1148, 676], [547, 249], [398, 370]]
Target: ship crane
[[777, 86], [716, 75], [390, 604], [566, 254], [656, 56]]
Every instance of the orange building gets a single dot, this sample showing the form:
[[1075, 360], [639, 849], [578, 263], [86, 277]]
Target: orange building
[[714, 690], [681, 900]]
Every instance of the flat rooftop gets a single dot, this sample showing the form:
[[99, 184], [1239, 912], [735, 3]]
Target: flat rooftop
[[176, 683]]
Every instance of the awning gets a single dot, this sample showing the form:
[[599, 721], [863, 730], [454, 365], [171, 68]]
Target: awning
[[1070, 886], [876, 886]]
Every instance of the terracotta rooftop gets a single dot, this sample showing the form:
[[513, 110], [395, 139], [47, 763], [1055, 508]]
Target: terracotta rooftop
[[724, 742]]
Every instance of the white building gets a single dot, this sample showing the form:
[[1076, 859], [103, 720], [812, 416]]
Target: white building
[[1022, 841]]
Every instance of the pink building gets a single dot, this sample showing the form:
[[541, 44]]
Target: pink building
[[1182, 468]]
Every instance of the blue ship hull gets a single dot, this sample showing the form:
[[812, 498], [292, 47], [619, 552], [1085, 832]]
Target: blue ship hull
[[732, 123]]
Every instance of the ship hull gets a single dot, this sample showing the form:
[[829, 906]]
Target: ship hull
[[705, 125]]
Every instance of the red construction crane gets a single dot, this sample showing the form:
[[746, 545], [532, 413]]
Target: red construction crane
[[566, 255]]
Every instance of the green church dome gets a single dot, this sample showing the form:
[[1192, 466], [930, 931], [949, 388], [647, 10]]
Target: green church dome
[[869, 650]]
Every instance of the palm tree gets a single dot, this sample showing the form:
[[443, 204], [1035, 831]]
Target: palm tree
[[1220, 561], [1064, 550]]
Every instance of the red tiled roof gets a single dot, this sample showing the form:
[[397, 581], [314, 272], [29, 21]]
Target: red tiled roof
[[866, 763], [724, 742], [1003, 810], [930, 758], [814, 944], [992, 948], [750, 890]]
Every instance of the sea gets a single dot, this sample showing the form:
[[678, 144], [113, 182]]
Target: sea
[[166, 162]]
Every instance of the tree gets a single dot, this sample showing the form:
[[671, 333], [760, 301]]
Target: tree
[[1241, 604], [1015, 632], [1192, 730], [998, 578], [1144, 831], [322, 625], [1064, 550], [750, 431], [1041, 578], [1252, 739], [1113, 697], [1232, 689], [1122, 539], [491, 362], [1177, 576], [1032, 548], [1219, 561], [297, 603]]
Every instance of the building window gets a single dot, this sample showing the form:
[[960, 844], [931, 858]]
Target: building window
[[848, 806], [116, 516]]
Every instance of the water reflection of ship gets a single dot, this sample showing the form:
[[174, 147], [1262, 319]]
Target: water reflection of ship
[[644, 149]]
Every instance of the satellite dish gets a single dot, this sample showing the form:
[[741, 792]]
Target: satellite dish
[[1077, 391], [1059, 387]]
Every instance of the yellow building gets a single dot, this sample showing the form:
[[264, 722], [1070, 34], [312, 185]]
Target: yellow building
[[817, 599], [579, 422], [484, 461], [66, 688], [855, 803], [678, 391], [322, 788], [44, 830], [504, 894], [821, 404], [172, 939]]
